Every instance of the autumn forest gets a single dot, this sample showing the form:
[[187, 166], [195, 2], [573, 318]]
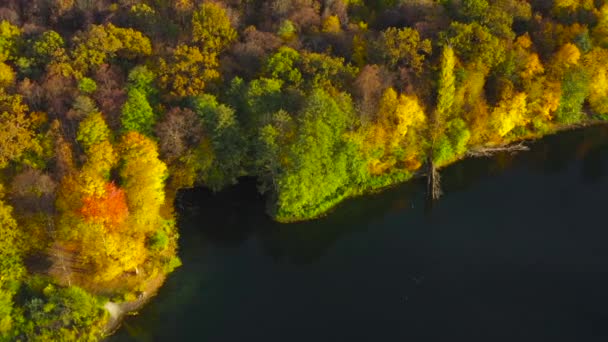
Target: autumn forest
[[109, 108]]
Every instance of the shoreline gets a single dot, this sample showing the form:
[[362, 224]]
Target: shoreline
[[331, 204], [118, 311]]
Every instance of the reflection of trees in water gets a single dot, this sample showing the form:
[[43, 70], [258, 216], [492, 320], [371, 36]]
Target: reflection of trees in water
[[237, 214], [547, 156]]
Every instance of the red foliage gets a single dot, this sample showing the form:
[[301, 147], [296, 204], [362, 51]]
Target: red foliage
[[110, 209]]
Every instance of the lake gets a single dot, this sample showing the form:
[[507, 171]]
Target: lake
[[515, 250]]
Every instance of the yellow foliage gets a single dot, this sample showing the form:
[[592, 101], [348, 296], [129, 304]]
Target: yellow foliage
[[598, 91], [398, 113], [524, 41], [188, 71], [7, 75], [143, 176], [533, 67], [398, 117], [568, 55], [331, 24], [100, 159], [101, 42], [408, 114], [510, 113]]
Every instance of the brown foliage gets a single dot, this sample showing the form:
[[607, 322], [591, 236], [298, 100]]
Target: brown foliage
[[180, 130]]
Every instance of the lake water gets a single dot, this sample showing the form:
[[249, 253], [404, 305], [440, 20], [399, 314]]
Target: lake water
[[516, 250]]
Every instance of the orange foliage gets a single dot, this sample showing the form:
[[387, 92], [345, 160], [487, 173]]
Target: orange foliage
[[109, 209]]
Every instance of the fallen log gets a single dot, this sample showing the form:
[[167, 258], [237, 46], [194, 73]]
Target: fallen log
[[491, 150]]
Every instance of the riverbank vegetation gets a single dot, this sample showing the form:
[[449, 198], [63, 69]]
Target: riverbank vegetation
[[108, 108]]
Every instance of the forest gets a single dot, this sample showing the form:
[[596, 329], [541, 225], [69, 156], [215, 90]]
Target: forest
[[109, 108]]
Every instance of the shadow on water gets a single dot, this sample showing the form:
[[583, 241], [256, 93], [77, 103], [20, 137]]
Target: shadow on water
[[514, 250]]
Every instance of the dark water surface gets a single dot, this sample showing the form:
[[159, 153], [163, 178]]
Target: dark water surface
[[516, 250]]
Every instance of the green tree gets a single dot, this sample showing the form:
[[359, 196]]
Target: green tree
[[575, 89], [227, 141], [137, 114], [475, 44], [283, 66], [93, 130], [318, 164]]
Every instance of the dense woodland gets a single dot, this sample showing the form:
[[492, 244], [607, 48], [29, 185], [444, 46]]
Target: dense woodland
[[108, 108]]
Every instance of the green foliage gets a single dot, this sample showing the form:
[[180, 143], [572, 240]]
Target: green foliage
[[63, 314], [281, 66], [474, 10], [137, 114], [12, 269], [475, 44], [93, 130], [319, 152], [574, 91], [142, 79], [227, 142], [48, 46], [9, 40], [264, 96], [287, 30], [323, 71], [87, 85], [459, 135], [159, 241]]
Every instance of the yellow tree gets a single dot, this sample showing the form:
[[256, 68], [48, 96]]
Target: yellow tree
[[17, 133], [598, 87], [187, 71], [102, 42], [510, 113], [447, 85], [211, 28], [142, 175]]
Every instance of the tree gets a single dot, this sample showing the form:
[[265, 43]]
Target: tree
[[283, 66], [93, 130], [598, 85], [188, 71], [109, 208], [11, 267], [318, 164], [137, 114], [9, 41], [142, 177], [17, 133], [331, 24], [212, 28], [600, 32], [575, 88], [103, 42], [475, 44], [368, 88], [227, 142], [47, 47], [324, 71], [403, 47], [510, 113], [447, 84], [179, 131]]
